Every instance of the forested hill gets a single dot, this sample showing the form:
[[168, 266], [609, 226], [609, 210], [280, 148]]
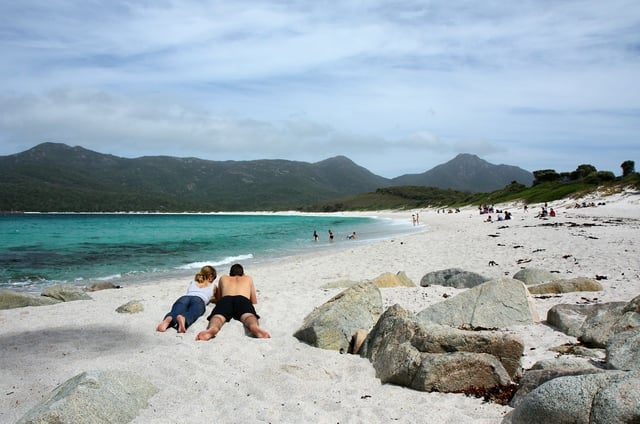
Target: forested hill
[[57, 177], [467, 172]]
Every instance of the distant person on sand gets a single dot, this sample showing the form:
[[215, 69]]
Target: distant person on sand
[[235, 298], [188, 308]]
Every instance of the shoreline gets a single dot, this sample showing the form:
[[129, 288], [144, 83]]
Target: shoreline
[[235, 378], [293, 242]]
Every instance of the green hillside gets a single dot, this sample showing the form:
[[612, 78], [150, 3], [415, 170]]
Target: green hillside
[[414, 197], [57, 177], [60, 178]]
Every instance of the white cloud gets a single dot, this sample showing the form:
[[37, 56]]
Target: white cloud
[[397, 86]]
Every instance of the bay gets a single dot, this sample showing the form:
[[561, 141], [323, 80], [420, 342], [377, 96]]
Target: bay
[[39, 250]]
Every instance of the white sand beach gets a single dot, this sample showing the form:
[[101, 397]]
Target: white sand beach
[[238, 379]]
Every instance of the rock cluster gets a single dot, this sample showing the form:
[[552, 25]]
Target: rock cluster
[[10, 300], [607, 393], [456, 345], [423, 353], [432, 357], [598, 398], [51, 295]]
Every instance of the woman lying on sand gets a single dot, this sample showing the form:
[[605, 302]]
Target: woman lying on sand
[[188, 308]]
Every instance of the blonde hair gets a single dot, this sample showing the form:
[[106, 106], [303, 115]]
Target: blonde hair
[[204, 274]]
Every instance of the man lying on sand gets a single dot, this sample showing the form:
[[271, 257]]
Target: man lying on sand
[[235, 298]]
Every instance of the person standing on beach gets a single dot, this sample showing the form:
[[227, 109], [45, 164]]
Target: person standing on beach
[[235, 298], [188, 308]]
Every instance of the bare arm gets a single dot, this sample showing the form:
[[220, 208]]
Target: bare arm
[[214, 295], [217, 292]]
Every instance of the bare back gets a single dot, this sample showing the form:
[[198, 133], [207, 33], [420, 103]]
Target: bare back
[[239, 285]]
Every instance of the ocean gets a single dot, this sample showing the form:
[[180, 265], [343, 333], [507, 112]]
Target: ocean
[[38, 250]]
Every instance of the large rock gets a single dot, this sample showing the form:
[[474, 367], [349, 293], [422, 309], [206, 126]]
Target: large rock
[[451, 373], [596, 354], [10, 300], [453, 277], [131, 307], [579, 284], [494, 304], [388, 280], [385, 280], [618, 403], [531, 276], [570, 318], [409, 353], [633, 305], [601, 398], [103, 285], [340, 284], [564, 362], [602, 324], [623, 350], [332, 325], [66, 293], [508, 349], [94, 397], [534, 378]]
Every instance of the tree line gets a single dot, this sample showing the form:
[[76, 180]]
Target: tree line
[[587, 173]]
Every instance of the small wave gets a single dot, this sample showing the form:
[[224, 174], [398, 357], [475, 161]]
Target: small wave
[[109, 277], [30, 285], [223, 261]]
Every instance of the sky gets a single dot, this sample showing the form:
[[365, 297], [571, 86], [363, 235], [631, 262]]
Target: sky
[[396, 86]]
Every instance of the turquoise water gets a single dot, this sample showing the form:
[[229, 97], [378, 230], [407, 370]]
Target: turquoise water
[[38, 250]]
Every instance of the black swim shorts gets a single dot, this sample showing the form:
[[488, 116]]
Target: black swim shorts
[[233, 307]]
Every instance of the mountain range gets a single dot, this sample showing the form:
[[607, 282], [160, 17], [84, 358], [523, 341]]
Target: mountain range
[[58, 177]]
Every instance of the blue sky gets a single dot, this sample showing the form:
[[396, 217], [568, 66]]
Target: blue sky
[[397, 86]]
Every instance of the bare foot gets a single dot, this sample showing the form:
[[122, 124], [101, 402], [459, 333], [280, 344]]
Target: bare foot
[[207, 334], [182, 328], [162, 327], [259, 332]]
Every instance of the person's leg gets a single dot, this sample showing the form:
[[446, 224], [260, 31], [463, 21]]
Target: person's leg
[[194, 308], [182, 325], [215, 324], [179, 310], [251, 322]]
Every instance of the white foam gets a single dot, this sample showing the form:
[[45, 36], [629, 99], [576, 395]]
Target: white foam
[[226, 260]]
